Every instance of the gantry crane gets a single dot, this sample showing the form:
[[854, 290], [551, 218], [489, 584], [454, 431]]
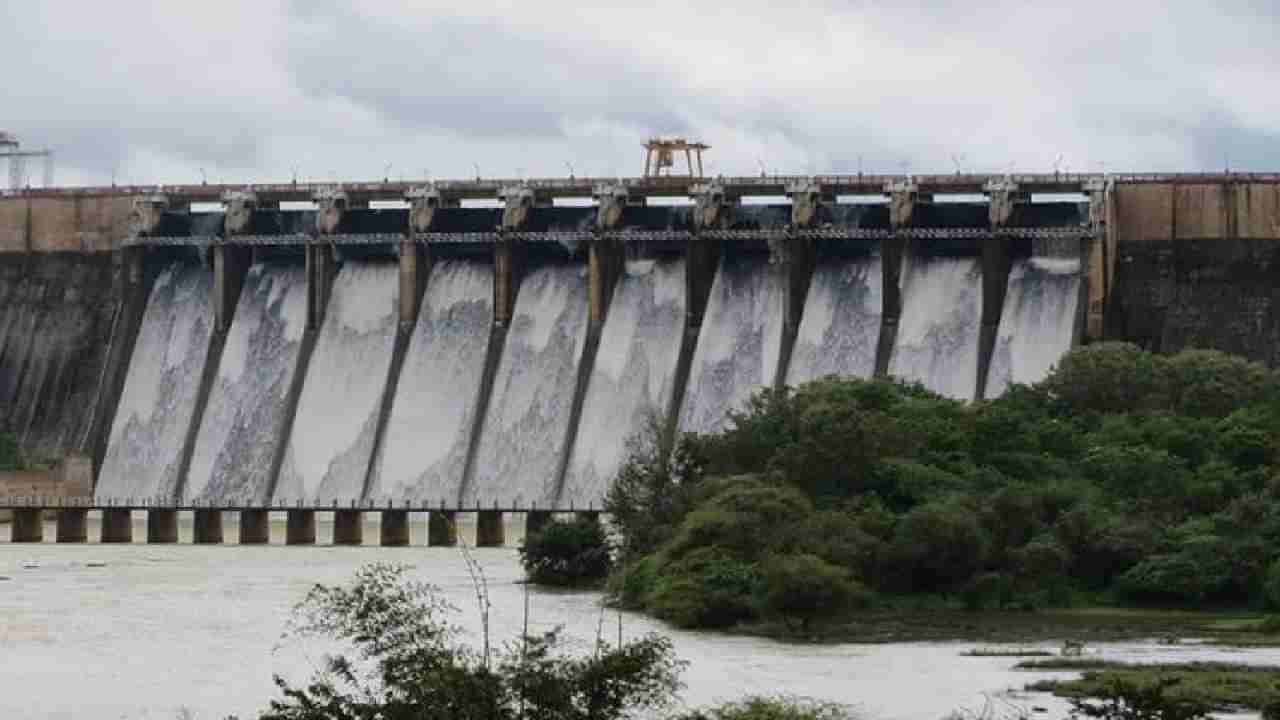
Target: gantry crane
[[11, 150]]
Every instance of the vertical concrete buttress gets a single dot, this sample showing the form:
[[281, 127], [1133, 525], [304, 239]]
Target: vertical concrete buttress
[[506, 285], [320, 269], [797, 260], [893, 251], [415, 269], [134, 279], [605, 260], [702, 257], [996, 263], [230, 266]]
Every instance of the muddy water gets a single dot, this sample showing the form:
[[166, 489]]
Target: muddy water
[[165, 630]]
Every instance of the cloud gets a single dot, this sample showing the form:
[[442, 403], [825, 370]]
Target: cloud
[[253, 91]]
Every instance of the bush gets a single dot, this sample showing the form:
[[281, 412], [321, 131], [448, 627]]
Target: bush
[[937, 547], [803, 588], [1273, 584], [1124, 700], [566, 553], [707, 588], [781, 708]]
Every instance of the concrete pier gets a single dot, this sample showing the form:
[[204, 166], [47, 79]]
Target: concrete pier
[[490, 530], [162, 526], [588, 516], [394, 530], [73, 526], [207, 527], [28, 526], [255, 527], [117, 526], [535, 521], [442, 528], [348, 527], [300, 527]]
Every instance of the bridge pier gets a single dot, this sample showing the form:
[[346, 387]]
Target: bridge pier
[[442, 528], [348, 527], [490, 531], [996, 263], [394, 529], [117, 526], [535, 521], [73, 526], [28, 525], [207, 527], [162, 526], [300, 527], [255, 527], [588, 516]]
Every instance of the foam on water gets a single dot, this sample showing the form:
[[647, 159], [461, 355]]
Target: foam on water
[[1037, 323], [738, 345], [937, 341], [154, 414], [841, 324], [242, 422], [425, 449], [633, 377], [525, 428], [327, 457]]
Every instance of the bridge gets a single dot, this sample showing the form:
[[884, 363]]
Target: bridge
[[71, 524]]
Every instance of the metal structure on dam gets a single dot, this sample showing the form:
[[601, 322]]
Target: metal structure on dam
[[400, 348]]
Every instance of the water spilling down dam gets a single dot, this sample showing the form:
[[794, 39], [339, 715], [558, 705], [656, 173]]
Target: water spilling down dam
[[443, 353]]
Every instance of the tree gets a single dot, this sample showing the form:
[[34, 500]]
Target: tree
[[409, 665], [803, 588], [652, 491], [566, 553], [1108, 378], [937, 547]]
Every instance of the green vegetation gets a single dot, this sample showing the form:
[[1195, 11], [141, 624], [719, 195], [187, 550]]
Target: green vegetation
[[408, 663], [1125, 478], [1210, 686], [10, 455], [572, 553]]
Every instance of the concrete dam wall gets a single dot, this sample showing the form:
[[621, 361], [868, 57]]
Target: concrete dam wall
[[467, 356]]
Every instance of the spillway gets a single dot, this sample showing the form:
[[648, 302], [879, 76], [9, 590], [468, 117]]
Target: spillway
[[1037, 323], [526, 425], [634, 374], [424, 452], [938, 333], [841, 323], [327, 457], [154, 414], [738, 344], [242, 422]]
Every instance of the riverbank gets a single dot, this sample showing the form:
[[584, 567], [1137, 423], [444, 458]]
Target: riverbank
[[1088, 625], [1225, 687]]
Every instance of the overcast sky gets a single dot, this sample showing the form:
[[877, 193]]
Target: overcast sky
[[254, 90]]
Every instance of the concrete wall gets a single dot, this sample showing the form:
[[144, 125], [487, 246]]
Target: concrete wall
[[77, 224], [1197, 265]]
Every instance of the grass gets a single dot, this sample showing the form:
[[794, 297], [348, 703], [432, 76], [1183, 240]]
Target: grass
[[1224, 686]]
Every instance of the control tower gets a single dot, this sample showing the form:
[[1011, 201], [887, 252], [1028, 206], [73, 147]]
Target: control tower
[[12, 152]]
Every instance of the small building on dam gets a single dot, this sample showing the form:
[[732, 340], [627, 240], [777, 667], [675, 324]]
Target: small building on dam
[[494, 343]]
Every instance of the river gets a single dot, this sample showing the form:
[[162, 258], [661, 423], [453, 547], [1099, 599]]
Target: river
[[182, 631]]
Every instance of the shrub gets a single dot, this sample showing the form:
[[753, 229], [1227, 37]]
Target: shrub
[[803, 588], [937, 547], [706, 588], [767, 708], [566, 553], [1124, 700], [1273, 584]]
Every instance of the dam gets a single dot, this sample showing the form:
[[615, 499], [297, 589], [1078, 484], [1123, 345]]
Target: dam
[[491, 346]]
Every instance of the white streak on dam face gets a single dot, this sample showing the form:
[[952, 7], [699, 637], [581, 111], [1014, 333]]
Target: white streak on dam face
[[528, 417], [738, 343], [633, 377], [938, 333], [841, 324], [245, 413], [425, 450], [156, 405], [328, 454], [1037, 323]]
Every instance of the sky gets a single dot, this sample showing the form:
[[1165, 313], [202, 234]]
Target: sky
[[242, 91]]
